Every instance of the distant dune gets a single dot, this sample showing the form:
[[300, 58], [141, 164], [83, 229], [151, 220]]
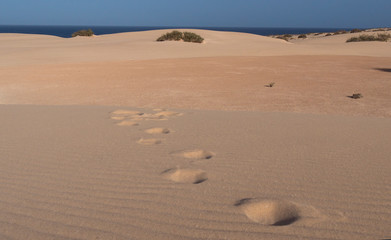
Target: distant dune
[[20, 49]]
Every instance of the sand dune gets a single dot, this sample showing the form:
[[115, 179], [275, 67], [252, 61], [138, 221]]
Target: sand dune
[[63, 179], [175, 140], [26, 49]]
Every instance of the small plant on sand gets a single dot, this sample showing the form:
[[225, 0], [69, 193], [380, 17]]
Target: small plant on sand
[[171, 36], [365, 37], [192, 37], [84, 33], [356, 96], [340, 32], [328, 34], [356, 30], [178, 36], [270, 84], [302, 36]]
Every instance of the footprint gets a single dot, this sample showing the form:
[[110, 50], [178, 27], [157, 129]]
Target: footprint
[[195, 154], [117, 117], [127, 123], [126, 112], [269, 212], [168, 114], [194, 176], [158, 131], [147, 117], [149, 141]]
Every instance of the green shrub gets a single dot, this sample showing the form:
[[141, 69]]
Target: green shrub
[[192, 37], [87, 33], [365, 37], [302, 36], [177, 36]]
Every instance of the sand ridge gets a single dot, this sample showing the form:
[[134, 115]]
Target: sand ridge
[[142, 46]]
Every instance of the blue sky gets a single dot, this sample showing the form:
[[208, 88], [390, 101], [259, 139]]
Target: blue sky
[[199, 13]]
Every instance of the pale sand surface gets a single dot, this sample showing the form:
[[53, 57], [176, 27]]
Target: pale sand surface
[[315, 84], [200, 148], [72, 173]]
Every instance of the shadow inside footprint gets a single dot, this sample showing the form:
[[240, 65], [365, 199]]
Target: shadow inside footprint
[[149, 141], [269, 212], [194, 176], [194, 154], [158, 131]]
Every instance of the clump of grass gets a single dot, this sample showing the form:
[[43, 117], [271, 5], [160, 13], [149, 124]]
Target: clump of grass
[[340, 32], [380, 30], [302, 36], [356, 96], [285, 37], [328, 34], [270, 84], [192, 37], [84, 33], [356, 30], [171, 36], [365, 37], [177, 36]]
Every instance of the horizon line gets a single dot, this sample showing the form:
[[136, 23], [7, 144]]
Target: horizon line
[[44, 25]]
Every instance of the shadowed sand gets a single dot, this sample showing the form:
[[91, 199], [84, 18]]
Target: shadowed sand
[[269, 212], [194, 176], [176, 140]]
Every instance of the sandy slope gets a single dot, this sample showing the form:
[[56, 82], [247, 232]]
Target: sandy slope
[[17, 49], [319, 165], [72, 173], [317, 84]]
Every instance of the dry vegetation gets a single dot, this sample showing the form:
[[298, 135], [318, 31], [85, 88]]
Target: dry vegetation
[[84, 33], [382, 37], [178, 36]]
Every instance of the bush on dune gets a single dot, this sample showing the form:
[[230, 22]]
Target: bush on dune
[[340, 32], [172, 36], [177, 36], [192, 37], [302, 36], [365, 37], [356, 30], [83, 32]]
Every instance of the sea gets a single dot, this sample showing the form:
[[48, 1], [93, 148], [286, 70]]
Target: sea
[[66, 31]]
